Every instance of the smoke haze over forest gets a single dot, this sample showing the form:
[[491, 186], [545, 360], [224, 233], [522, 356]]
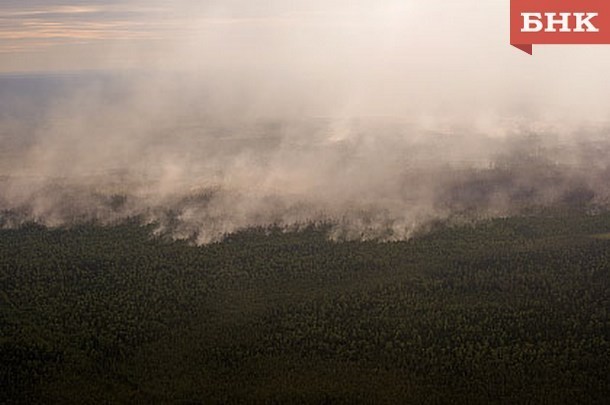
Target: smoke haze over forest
[[211, 118]]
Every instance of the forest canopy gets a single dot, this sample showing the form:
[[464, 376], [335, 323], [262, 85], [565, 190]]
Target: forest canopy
[[509, 310]]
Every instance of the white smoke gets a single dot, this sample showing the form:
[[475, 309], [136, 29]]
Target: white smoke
[[375, 116]]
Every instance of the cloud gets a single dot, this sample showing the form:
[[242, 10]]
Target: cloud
[[38, 26]]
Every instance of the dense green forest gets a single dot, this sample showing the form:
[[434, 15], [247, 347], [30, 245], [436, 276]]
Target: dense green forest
[[512, 310]]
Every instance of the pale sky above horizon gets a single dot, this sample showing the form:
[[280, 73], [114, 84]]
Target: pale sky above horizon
[[378, 52], [43, 35]]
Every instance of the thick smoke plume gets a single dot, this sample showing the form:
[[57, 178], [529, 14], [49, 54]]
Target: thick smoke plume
[[357, 113], [107, 153]]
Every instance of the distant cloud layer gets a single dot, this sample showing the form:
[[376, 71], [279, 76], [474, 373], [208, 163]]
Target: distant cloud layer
[[27, 26], [37, 26]]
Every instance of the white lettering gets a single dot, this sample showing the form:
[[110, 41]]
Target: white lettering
[[528, 21], [581, 22], [551, 22], [532, 22]]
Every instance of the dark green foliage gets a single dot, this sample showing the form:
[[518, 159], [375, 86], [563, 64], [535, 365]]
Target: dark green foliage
[[509, 311]]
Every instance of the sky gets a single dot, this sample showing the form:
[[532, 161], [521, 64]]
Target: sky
[[433, 60], [72, 34], [450, 52]]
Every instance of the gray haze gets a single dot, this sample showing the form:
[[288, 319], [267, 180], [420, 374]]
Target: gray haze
[[210, 117]]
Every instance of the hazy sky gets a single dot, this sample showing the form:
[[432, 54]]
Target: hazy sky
[[442, 54]]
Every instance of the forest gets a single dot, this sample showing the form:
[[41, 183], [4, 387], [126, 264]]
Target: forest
[[505, 310]]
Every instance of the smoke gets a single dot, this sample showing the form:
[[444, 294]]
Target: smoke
[[359, 114]]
